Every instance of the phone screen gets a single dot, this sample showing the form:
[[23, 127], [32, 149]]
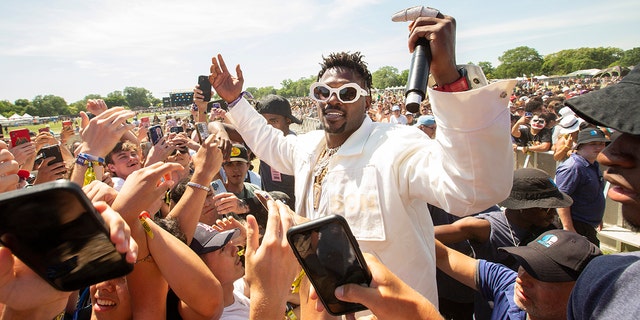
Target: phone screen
[[155, 134], [55, 230], [331, 257]]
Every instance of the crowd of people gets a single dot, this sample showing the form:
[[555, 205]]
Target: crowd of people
[[448, 228]]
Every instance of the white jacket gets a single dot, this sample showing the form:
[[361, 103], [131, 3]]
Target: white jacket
[[383, 176]]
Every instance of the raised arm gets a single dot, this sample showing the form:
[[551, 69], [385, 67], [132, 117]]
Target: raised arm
[[468, 228], [457, 265], [207, 162]]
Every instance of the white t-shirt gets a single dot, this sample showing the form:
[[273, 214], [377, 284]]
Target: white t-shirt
[[401, 119], [239, 309]]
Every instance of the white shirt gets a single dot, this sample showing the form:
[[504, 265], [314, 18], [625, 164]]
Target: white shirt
[[239, 309], [384, 175]]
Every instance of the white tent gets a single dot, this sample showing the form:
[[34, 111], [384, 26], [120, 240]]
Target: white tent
[[27, 116], [3, 117], [15, 116]]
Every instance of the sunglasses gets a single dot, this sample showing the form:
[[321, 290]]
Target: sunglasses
[[347, 93], [538, 120]]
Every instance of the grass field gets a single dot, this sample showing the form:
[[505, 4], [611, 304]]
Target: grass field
[[56, 127]]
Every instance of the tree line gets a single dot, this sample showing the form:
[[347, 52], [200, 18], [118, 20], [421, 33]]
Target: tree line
[[513, 63]]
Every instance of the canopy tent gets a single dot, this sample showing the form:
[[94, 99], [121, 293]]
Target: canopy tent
[[27, 116], [15, 116], [615, 71], [585, 72]]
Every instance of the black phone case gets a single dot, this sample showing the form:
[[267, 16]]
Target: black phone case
[[332, 305], [55, 230], [205, 86], [51, 151]]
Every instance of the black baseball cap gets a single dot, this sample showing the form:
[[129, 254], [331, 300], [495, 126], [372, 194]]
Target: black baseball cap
[[274, 104], [555, 256]]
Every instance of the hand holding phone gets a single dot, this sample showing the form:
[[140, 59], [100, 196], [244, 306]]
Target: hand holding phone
[[331, 257], [51, 151], [55, 230], [203, 131], [205, 86], [218, 187], [19, 136], [155, 134]]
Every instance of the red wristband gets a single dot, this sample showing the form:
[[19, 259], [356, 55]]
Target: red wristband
[[457, 86], [462, 84]]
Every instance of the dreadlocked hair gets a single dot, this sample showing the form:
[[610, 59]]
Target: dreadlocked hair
[[347, 60]]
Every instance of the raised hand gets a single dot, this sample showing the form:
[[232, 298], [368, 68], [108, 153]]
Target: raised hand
[[227, 86]]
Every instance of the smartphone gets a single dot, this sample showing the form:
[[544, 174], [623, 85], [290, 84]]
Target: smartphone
[[528, 114], [330, 256], [263, 197], [19, 136], [45, 129], [67, 123], [203, 131], [217, 104], [205, 86], [51, 151], [176, 129], [144, 122], [155, 134], [55, 230], [218, 187]]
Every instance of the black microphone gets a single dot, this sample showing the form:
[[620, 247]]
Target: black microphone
[[418, 76], [419, 70]]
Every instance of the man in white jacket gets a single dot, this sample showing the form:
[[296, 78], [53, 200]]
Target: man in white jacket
[[380, 177]]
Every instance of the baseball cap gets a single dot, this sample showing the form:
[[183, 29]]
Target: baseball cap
[[395, 108], [239, 153], [591, 135], [274, 104], [534, 188], [555, 256], [207, 239], [427, 120], [614, 106]]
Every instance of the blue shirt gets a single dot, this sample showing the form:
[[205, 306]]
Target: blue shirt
[[583, 182], [495, 282]]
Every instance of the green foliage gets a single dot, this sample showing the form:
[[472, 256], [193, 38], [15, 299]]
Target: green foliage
[[630, 57], [299, 88], [137, 97], [386, 77], [48, 105], [261, 92], [519, 61], [115, 99], [487, 68], [567, 61]]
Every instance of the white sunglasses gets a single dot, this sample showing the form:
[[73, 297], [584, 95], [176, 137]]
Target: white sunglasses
[[347, 93]]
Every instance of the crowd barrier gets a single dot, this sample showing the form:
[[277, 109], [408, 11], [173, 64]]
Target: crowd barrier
[[615, 234]]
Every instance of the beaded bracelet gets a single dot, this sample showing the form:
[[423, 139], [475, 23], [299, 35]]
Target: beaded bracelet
[[199, 186]]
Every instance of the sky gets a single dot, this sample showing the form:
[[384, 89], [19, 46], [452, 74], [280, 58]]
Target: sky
[[73, 48]]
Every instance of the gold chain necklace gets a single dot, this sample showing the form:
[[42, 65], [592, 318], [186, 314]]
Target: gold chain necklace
[[320, 171]]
